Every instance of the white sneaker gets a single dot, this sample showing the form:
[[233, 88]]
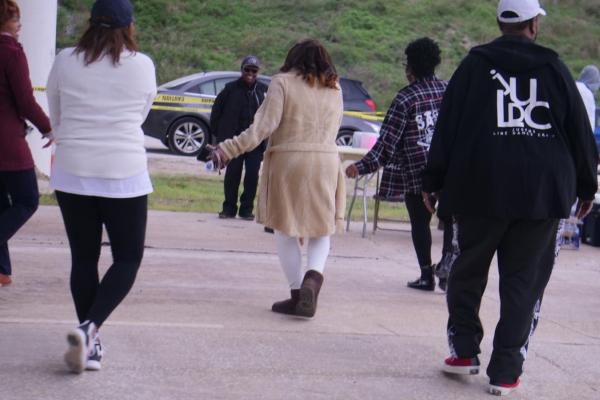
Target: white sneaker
[[80, 345], [502, 389], [95, 357]]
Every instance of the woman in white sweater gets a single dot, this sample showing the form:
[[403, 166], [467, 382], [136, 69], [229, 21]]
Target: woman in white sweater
[[99, 94]]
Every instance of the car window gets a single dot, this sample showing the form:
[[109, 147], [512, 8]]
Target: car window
[[353, 90], [207, 87], [220, 83]]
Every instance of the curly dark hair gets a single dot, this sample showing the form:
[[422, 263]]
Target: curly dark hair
[[423, 56], [311, 60]]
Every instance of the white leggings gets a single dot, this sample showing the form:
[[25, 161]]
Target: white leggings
[[290, 256]]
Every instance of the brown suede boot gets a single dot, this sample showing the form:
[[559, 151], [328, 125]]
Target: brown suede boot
[[309, 293], [287, 306]]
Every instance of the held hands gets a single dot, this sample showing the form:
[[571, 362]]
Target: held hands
[[218, 157], [429, 199], [352, 171]]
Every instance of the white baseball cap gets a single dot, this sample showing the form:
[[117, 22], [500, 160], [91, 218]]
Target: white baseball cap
[[513, 11]]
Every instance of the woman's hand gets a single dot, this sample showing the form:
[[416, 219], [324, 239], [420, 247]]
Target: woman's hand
[[352, 171], [218, 157], [429, 199], [50, 137], [583, 208]]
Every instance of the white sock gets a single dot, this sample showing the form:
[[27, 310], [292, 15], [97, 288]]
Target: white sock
[[318, 251], [290, 258]]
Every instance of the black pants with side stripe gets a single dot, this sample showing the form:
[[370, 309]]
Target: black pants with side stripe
[[526, 252], [125, 222]]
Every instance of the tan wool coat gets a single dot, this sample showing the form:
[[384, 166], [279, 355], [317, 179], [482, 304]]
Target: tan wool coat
[[301, 191]]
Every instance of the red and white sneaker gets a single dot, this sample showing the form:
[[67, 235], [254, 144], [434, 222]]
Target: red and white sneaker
[[461, 366], [502, 389]]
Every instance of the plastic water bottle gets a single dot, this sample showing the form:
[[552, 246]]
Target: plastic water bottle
[[575, 240]]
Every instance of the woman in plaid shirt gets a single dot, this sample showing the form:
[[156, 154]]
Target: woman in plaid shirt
[[403, 145]]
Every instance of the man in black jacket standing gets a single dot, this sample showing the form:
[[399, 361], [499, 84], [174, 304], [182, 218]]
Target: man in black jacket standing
[[511, 153], [232, 113]]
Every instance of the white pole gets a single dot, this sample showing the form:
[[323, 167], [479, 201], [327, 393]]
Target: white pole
[[38, 37]]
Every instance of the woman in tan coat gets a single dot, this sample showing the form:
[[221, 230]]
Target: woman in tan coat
[[301, 192]]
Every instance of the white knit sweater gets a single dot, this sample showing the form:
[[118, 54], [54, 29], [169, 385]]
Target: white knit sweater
[[97, 112]]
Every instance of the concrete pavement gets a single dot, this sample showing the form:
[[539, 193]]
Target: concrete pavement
[[198, 325]]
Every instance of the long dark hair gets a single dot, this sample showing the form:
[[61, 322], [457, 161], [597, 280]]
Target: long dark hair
[[311, 60], [98, 41], [8, 10]]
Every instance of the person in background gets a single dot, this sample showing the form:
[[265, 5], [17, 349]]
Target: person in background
[[511, 152], [302, 194], [99, 94], [232, 113], [588, 85], [19, 196], [403, 145]]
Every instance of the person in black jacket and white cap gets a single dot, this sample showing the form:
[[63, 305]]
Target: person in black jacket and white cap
[[231, 114], [511, 152]]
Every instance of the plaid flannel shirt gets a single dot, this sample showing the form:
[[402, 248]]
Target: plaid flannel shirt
[[404, 139]]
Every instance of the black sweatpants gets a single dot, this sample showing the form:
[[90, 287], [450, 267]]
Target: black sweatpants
[[526, 253], [19, 199], [233, 176], [125, 222], [420, 218]]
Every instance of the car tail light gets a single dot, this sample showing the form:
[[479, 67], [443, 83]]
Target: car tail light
[[371, 104]]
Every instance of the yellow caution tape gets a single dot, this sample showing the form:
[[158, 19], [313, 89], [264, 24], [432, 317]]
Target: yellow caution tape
[[370, 116], [357, 114], [181, 109], [175, 99]]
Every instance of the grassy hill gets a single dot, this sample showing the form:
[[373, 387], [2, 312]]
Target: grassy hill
[[365, 37]]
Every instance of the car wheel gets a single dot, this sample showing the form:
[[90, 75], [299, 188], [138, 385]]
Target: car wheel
[[344, 137], [187, 136]]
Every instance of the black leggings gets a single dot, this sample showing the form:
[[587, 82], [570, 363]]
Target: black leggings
[[19, 199], [420, 218], [125, 222]]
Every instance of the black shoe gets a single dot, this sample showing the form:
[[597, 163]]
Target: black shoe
[[442, 269], [247, 217], [269, 230], [443, 284], [287, 306], [224, 215], [426, 281]]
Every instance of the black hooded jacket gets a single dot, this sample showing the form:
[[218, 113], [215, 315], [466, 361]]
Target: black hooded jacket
[[512, 139], [234, 108]]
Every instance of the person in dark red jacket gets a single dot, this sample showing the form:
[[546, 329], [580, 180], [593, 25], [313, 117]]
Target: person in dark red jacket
[[18, 185]]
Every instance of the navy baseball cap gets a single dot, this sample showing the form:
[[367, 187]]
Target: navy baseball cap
[[112, 13], [250, 61]]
